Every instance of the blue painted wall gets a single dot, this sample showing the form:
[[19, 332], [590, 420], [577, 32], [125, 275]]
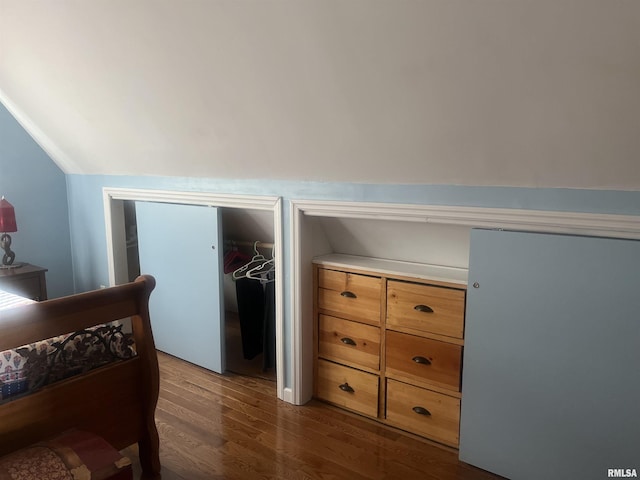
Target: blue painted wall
[[89, 236], [37, 189], [87, 209]]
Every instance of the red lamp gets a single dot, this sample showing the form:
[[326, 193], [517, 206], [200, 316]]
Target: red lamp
[[7, 224]]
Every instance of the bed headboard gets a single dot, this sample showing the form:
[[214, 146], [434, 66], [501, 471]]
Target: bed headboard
[[116, 401]]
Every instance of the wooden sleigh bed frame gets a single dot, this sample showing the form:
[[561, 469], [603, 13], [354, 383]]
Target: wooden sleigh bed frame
[[116, 401]]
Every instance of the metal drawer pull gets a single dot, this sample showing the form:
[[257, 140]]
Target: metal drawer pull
[[348, 341], [422, 411], [422, 360], [423, 308], [345, 387], [348, 294]]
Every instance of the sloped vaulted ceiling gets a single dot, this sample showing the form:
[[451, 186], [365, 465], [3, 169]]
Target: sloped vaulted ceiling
[[474, 92]]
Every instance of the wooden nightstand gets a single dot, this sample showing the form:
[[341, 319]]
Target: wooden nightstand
[[28, 281]]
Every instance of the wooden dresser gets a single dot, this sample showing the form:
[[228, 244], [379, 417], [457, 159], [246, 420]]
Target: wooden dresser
[[27, 281], [388, 341]]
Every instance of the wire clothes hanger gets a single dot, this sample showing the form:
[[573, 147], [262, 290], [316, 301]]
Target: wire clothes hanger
[[257, 268], [261, 272]]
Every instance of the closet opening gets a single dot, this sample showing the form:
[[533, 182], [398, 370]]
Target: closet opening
[[249, 292], [248, 247], [248, 264], [379, 231]]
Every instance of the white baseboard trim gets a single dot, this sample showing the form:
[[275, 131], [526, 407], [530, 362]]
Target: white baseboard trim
[[287, 395]]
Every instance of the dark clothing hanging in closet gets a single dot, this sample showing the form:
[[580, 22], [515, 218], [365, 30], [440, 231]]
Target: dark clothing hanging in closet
[[251, 313], [269, 341]]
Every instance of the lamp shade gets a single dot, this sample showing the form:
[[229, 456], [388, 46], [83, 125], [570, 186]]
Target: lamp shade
[[7, 217]]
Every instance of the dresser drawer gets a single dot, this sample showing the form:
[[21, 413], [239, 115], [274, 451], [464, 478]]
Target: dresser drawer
[[348, 388], [424, 359], [424, 412], [347, 341], [350, 295], [426, 308]]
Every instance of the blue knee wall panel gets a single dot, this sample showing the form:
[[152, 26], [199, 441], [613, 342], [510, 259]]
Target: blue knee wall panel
[[551, 378]]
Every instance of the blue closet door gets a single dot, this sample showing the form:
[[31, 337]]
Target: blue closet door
[[180, 245], [551, 380]]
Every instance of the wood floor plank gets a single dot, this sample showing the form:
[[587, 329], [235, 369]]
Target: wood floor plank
[[233, 427]]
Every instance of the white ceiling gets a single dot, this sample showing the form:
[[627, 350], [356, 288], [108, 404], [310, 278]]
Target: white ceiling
[[542, 93]]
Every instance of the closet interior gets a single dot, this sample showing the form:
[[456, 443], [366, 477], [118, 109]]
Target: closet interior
[[248, 286], [249, 292]]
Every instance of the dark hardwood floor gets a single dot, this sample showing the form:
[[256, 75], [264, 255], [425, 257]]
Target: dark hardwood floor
[[233, 427]]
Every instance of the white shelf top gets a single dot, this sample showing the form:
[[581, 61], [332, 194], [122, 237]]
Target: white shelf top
[[382, 266]]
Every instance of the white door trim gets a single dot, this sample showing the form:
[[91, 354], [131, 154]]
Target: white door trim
[[115, 251], [607, 225]]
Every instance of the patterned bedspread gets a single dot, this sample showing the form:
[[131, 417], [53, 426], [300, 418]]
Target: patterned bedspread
[[29, 367], [75, 454]]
